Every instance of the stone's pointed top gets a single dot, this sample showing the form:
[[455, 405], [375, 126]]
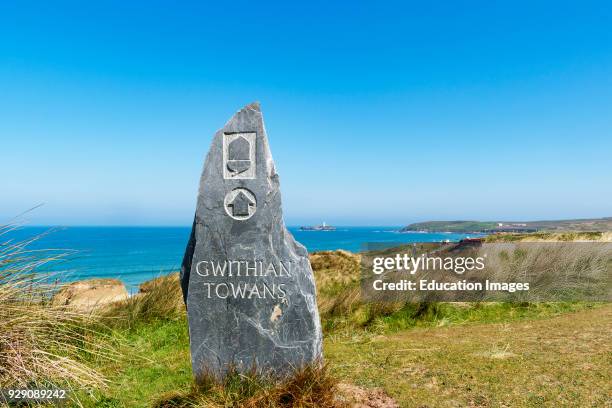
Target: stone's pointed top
[[254, 106], [248, 119]]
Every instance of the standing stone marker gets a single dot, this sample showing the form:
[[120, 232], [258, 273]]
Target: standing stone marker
[[248, 285]]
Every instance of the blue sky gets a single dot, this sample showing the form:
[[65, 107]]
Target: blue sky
[[378, 113]]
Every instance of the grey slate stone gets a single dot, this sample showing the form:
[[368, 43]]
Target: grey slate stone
[[264, 315]]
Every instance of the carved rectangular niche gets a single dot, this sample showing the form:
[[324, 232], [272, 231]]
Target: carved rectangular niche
[[239, 155]]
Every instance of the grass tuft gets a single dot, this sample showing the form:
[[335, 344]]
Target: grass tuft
[[41, 344], [310, 386]]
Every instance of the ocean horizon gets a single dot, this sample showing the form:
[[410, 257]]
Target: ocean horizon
[[137, 254]]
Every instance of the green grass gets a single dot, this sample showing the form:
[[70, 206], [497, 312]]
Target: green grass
[[374, 318], [560, 361], [444, 314], [155, 371], [155, 359]]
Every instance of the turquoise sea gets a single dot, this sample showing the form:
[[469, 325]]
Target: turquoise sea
[[136, 254]]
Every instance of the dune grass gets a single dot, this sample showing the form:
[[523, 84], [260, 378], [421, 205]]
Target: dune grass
[[42, 345], [159, 299]]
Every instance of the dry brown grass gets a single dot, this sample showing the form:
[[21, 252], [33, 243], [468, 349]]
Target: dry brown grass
[[557, 271], [339, 294], [158, 299], [337, 276], [40, 344], [333, 268], [309, 387]]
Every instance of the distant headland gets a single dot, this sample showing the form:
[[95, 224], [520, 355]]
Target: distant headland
[[592, 224]]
